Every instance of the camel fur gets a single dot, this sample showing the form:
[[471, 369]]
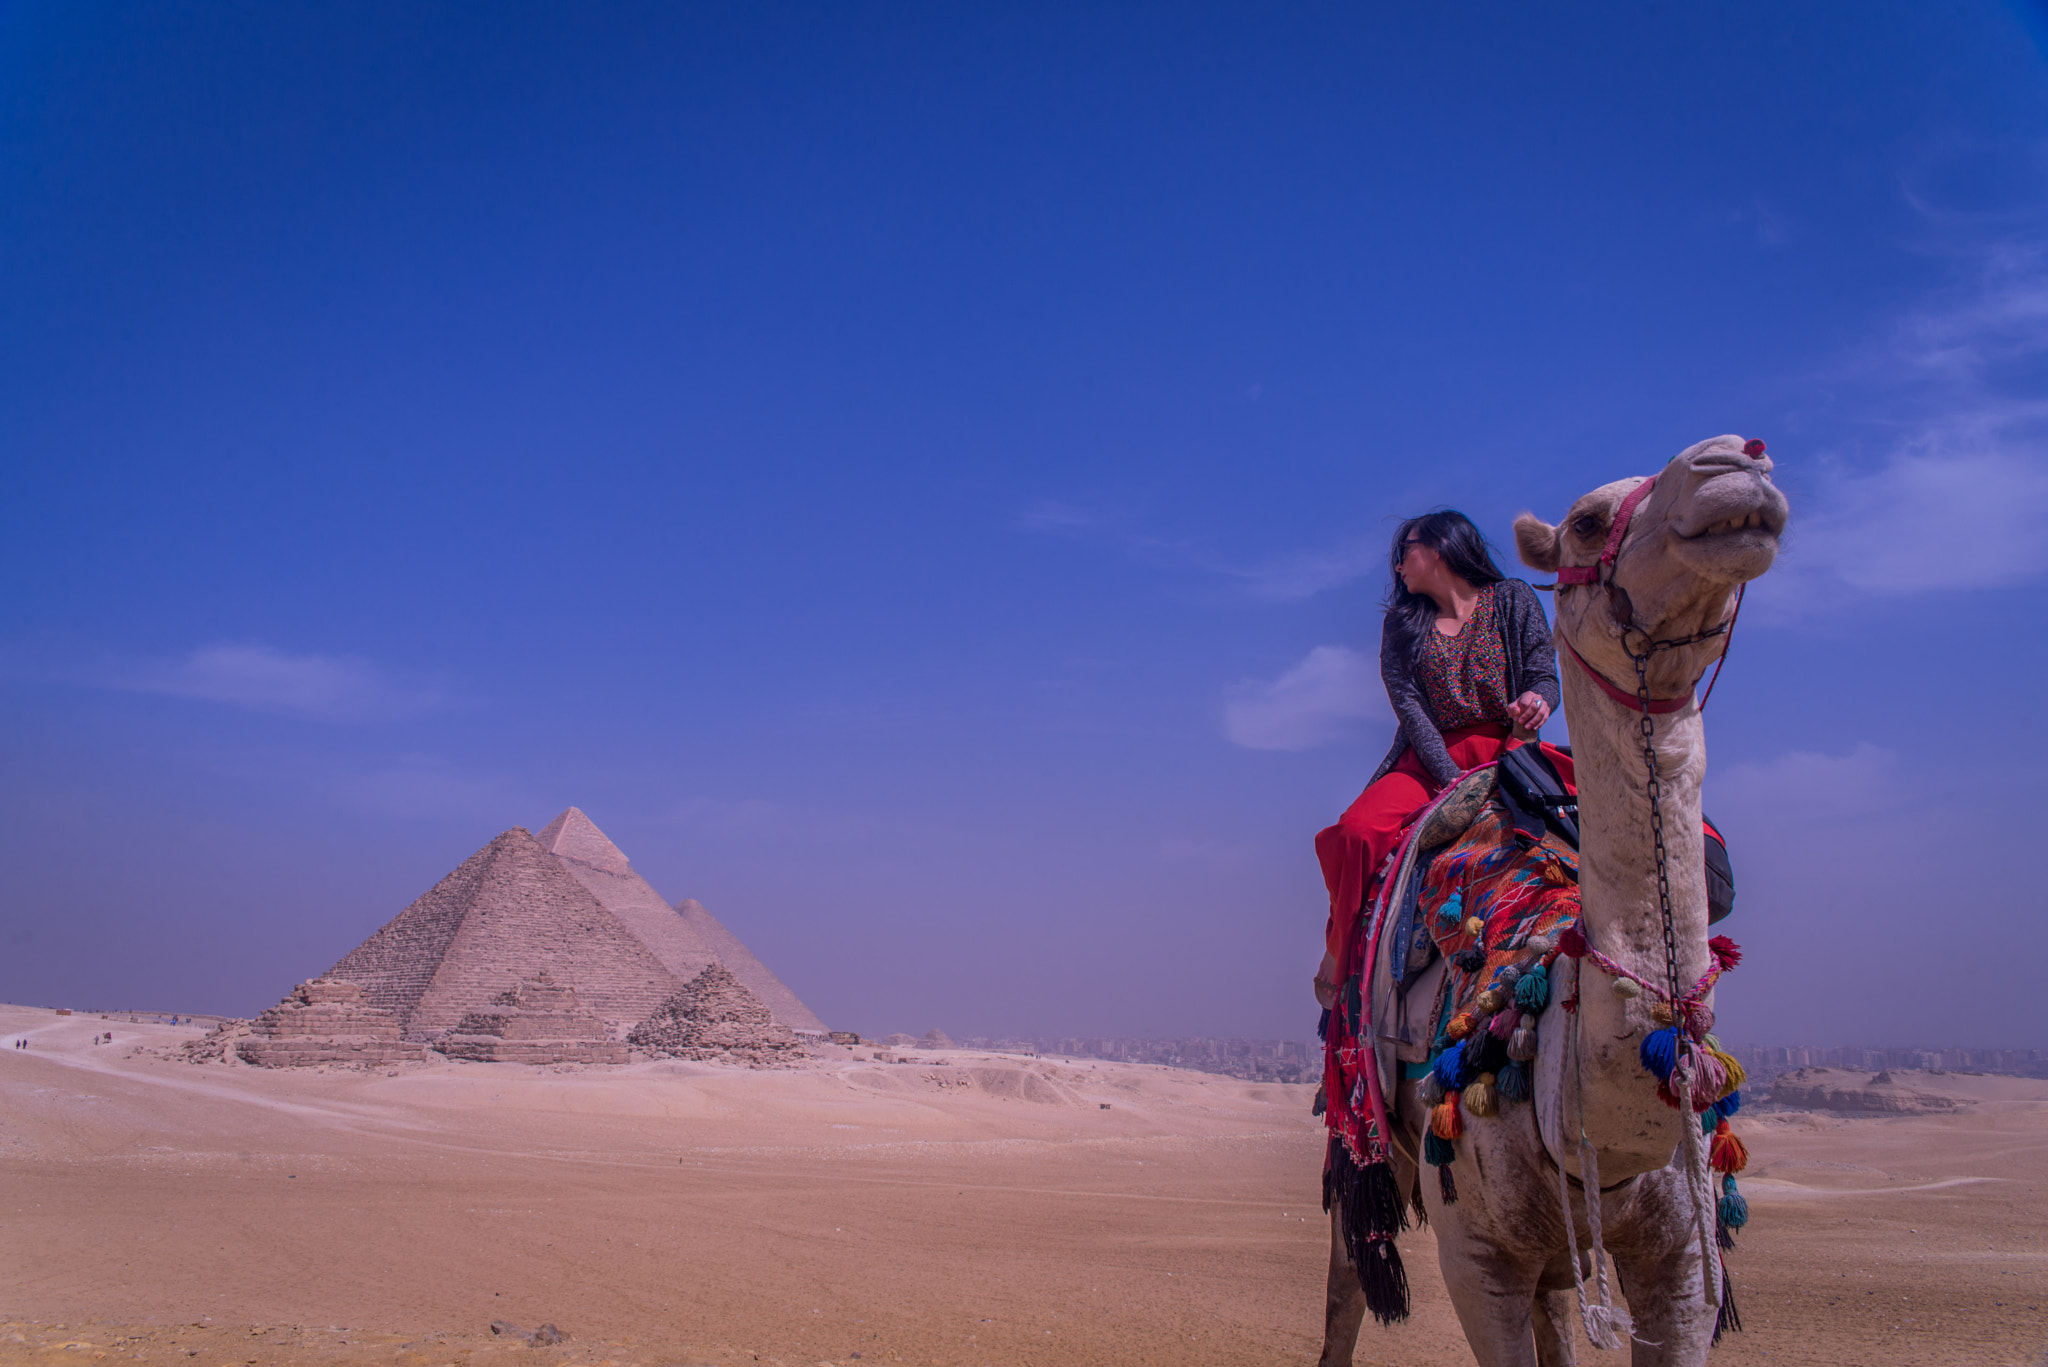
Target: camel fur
[[1711, 524]]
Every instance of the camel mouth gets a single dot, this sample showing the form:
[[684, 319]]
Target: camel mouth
[[1769, 521]]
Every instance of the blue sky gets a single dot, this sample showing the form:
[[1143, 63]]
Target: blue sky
[[918, 476]]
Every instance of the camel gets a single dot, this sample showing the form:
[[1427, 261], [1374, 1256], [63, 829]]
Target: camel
[[1710, 523]]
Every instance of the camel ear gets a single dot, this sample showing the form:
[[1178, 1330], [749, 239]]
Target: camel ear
[[1536, 541]]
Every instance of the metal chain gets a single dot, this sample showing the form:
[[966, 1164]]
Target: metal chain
[[1648, 728]]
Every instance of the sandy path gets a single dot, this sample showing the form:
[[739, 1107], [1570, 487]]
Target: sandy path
[[982, 1213]]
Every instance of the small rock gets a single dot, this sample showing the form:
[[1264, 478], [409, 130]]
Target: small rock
[[547, 1334], [507, 1327]]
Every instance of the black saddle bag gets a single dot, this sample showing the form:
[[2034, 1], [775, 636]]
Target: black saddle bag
[[1537, 800]]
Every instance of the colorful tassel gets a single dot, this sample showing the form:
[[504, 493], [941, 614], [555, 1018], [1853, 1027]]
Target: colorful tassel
[[1503, 1025], [1659, 1052], [1728, 1154], [1736, 1073], [1446, 1123], [1572, 943], [1734, 1209], [1708, 1081], [1461, 1025], [1475, 1054], [1532, 991], [1451, 911], [1726, 952], [1450, 1069], [1512, 1082], [1470, 960], [1436, 1150], [1729, 1104], [1432, 1088], [1478, 1094], [1522, 1044]]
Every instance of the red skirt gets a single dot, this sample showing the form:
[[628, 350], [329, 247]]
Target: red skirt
[[1352, 851]]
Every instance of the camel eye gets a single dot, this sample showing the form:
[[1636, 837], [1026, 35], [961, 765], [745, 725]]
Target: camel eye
[[1585, 524]]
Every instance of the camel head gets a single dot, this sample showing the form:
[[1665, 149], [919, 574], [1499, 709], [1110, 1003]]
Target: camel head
[[1710, 524]]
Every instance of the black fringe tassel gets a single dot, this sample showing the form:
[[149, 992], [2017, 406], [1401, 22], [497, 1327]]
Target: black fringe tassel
[[1447, 1185], [1725, 1236], [1370, 1214], [1728, 1319]]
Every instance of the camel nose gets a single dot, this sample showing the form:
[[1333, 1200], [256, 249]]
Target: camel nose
[[1749, 460]]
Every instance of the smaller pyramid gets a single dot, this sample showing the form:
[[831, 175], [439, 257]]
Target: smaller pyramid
[[686, 938], [716, 1018], [536, 1020], [325, 1021], [741, 961]]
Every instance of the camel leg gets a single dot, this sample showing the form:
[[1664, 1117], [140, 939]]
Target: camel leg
[[1495, 1296], [1660, 1274], [1345, 1309], [1551, 1318]]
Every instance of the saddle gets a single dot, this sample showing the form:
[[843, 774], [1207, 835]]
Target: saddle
[[1510, 823]]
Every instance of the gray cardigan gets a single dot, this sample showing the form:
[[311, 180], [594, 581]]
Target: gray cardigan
[[1532, 667]]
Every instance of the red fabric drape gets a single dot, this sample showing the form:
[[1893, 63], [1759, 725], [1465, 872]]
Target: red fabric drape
[[1352, 851]]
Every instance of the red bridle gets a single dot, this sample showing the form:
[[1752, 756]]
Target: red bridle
[[1602, 572], [1592, 574]]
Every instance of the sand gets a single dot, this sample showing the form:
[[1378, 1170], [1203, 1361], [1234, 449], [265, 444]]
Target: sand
[[966, 1208]]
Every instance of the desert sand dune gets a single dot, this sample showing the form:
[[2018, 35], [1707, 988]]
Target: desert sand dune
[[967, 1208]]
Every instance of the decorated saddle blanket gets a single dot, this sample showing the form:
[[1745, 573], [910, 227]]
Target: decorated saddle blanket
[[1494, 908]]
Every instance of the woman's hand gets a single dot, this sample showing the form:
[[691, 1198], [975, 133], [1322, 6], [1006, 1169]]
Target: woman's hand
[[1529, 712], [1326, 981]]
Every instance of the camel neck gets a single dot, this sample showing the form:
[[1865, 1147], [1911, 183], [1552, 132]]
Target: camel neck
[[1623, 918]]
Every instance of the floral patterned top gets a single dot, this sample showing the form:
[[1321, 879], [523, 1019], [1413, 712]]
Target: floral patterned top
[[1464, 678]]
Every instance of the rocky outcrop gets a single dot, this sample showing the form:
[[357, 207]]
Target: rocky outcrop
[[324, 1021], [537, 1020], [717, 1018], [1834, 1089], [218, 1045]]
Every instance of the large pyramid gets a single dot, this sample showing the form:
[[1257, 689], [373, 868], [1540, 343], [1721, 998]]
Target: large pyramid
[[687, 938], [510, 911]]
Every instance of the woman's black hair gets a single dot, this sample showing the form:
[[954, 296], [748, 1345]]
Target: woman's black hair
[[1465, 553]]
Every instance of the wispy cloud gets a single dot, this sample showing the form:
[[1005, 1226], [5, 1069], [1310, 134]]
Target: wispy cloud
[[1283, 578], [1332, 695], [1932, 519], [262, 678], [1959, 500], [1802, 787]]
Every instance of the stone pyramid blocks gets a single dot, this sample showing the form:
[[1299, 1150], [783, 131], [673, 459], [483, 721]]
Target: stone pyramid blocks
[[326, 1021], [511, 910], [685, 937], [716, 1017], [537, 1020]]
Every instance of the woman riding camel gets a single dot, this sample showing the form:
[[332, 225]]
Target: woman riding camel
[[1470, 671]]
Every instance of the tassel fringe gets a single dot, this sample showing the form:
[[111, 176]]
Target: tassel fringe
[[1370, 1213], [1728, 1319]]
